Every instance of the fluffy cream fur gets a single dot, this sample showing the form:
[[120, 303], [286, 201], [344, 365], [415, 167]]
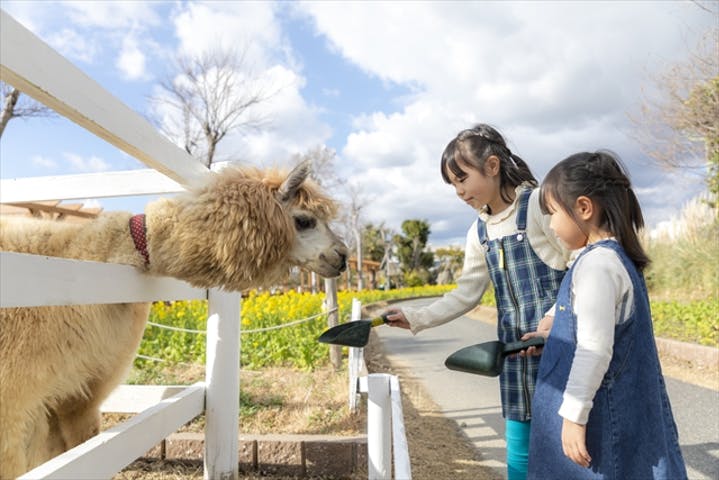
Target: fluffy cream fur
[[57, 364]]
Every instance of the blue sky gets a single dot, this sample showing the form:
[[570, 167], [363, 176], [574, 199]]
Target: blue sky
[[384, 84]]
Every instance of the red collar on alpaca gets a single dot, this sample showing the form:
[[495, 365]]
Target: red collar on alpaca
[[138, 231]]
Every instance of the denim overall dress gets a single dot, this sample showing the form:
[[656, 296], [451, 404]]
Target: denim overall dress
[[525, 288], [631, 432]]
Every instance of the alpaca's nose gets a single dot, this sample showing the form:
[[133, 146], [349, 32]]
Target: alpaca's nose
[[343, 258]]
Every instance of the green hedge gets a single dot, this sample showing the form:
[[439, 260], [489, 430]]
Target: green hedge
[[695, 322]]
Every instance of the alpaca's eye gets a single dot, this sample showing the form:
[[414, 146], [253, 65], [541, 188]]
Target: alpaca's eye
[[303, 223]]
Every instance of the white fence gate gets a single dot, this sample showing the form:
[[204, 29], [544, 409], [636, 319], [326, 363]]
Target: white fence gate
[[32, 66]]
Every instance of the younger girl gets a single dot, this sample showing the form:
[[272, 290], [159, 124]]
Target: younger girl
[[600, 406], [511, 245]]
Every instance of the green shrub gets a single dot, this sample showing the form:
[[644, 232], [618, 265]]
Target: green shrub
[[695, 322]]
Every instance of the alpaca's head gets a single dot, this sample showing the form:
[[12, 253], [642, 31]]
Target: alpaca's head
[[246, 227], [315, 246]]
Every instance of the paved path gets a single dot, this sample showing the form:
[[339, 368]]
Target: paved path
[[473, 401]]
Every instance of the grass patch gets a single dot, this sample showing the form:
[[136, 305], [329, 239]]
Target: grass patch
[[273, 400]]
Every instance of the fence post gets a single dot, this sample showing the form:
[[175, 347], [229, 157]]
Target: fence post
[[222, 401], [400, 449], [354, 362], [333, 315], [379, 427]]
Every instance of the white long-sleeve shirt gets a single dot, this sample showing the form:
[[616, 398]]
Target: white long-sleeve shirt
[[475, 273], [602, 296]]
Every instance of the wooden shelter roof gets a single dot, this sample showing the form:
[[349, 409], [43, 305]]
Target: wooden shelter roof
[[52, 209]]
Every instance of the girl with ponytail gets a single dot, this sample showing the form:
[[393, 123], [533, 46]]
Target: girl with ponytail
[[600, 405], [512, 246]]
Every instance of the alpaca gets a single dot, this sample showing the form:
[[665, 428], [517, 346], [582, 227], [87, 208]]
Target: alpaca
[[240, 228]]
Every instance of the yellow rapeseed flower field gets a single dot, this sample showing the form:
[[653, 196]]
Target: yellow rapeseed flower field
[[262, 344]]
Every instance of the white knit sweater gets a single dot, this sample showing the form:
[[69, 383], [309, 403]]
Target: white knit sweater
[[602, 297]]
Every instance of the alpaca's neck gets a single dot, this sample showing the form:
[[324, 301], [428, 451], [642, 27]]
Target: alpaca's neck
[[103, 239], [161, 234], [184, 242]]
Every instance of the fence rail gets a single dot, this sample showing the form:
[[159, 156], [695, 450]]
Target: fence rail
[[107, 453], [59, 281], [87, 185]]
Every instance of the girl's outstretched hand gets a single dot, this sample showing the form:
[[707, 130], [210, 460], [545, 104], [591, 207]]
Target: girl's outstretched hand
[[395, 318], [543, 328], [574, 443]]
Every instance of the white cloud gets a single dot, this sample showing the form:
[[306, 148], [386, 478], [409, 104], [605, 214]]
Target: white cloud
[[90, 164], [131, 60], [73, 45], [116, 14], [290, 126], [43, 162], [249, 27]]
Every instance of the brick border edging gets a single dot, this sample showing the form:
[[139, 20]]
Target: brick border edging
[[699, 355], [277, 454]]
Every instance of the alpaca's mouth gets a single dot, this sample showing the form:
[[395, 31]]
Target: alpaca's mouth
[[330, 268], [330, 271]]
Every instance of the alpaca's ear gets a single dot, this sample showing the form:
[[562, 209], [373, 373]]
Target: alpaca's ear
[[289, 187]]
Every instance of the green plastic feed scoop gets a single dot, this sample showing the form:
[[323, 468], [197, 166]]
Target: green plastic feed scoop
[[487, 358], [352, 334]]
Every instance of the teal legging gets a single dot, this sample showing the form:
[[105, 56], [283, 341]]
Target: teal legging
[[517, 435]]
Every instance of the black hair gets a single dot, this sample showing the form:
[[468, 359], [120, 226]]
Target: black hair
[[474, 146], [600, 176]]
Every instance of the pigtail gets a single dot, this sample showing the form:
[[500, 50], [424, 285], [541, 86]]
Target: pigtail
[[521, 171], [630, 240], [622, 213]]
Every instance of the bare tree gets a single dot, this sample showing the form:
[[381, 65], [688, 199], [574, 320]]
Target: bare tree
[[678, 125], [210, 95], [351, 227], [17, 105]]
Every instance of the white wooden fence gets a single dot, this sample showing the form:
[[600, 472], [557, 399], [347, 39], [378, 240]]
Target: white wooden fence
[[30, 65]]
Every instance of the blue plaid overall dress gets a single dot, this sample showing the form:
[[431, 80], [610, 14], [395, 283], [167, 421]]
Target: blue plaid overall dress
[[631, 434], [525, 288]]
